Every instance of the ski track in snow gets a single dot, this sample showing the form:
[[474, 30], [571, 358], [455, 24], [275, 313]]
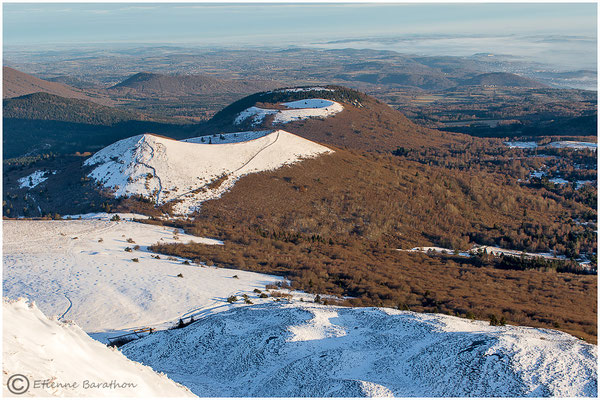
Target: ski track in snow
[[299, 349]]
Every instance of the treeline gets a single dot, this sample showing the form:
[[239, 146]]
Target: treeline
[[45, 106]]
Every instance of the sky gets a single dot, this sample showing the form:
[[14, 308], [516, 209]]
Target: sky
[[561, 35], [230, 24]]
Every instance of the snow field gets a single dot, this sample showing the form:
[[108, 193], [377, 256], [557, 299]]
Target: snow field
[[298, 349], [308, 89], [79, 270], [493, 250], [565, 144], [297, 110]]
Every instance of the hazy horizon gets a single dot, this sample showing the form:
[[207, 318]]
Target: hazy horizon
[[563, 35]]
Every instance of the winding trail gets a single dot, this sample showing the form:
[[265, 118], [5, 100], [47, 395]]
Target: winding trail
[[233, 172], [138, 159], [258, 152], [68, 308]]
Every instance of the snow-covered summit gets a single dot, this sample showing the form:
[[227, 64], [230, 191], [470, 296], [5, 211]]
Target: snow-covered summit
[[293, 111], [189, 172]]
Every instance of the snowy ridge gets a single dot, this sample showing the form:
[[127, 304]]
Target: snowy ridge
[[190, 172], [45, 349], [103, 216], [355, 352], [296, 110]]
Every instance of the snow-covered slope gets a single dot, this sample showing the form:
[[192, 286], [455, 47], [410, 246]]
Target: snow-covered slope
[[79, 270], [61, 354], [190, 172], [295, 110], [32, 180], [288, 350]]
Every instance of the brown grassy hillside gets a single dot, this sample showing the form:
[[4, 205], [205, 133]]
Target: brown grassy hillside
[[16, 83], [365, 123], [146, 83], [333, 225]]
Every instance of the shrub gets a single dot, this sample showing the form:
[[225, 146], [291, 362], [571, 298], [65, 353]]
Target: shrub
[[135, 259], [280, 294], [236, 277], [136, 247], [180, 275], [232, 299], [186, 262], [257, 291], [115, 217], [263, 296], [130, 240], [494, 320], [128, 249], [100, 240], [118, 342]]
